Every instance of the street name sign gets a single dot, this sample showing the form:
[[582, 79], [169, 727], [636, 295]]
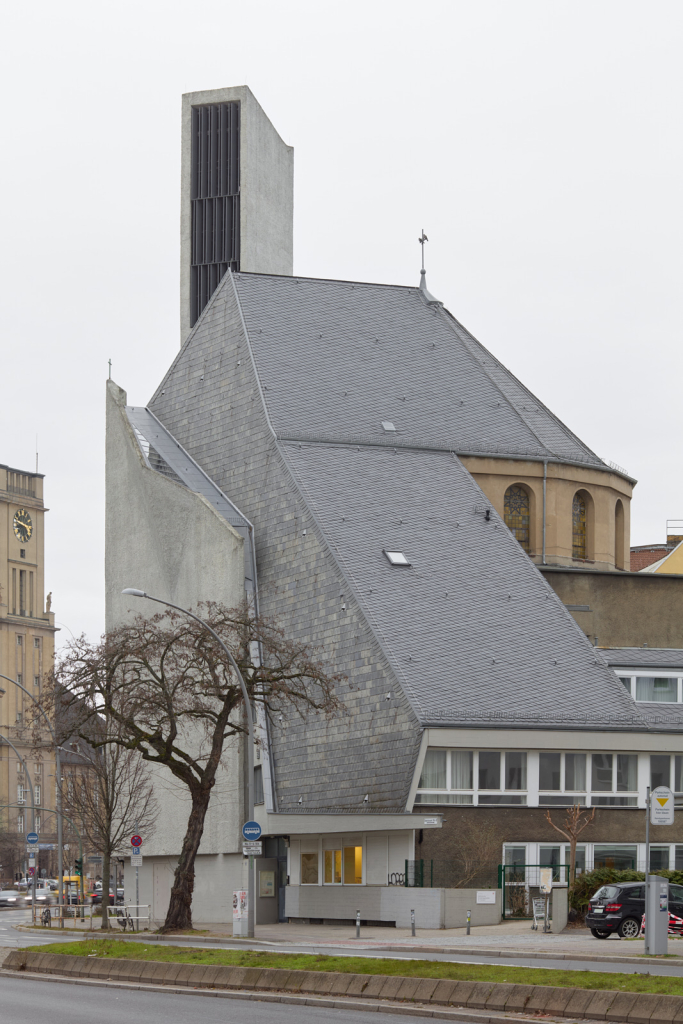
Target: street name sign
[[32, 837], [251, 830], [252, 848], [662, 806]]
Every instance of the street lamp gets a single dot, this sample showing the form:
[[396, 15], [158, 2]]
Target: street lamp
[[251, 889], [58, 794]]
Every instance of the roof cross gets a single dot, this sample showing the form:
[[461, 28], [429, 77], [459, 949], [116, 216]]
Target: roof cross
[[422, 239]]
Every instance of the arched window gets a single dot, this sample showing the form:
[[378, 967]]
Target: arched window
[[619, 535], [516, 510], [578, 527]]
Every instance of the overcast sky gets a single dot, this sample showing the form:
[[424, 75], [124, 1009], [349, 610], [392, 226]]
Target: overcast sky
[[538, 143]]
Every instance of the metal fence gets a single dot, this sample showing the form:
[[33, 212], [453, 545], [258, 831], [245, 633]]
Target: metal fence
[[521, 885], [130, 917], [447, 874]]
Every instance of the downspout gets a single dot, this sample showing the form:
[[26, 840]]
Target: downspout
[[545, 480]]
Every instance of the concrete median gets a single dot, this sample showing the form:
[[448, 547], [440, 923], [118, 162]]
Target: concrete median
[[591, 1004]]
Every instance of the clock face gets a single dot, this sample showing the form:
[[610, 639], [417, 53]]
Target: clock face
[[23, 527]]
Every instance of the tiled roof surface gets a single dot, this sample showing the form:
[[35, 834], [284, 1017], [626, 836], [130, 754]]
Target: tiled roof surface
[[643, 657], [336, 358], [472, 630]]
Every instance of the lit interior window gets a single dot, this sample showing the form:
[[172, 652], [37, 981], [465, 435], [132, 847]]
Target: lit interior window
[[397, 558]]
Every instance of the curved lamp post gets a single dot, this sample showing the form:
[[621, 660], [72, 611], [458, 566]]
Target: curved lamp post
[[251, 889], [58, 795]]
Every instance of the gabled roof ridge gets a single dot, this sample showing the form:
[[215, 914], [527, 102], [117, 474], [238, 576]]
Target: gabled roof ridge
[[329, 280], [469, 337]]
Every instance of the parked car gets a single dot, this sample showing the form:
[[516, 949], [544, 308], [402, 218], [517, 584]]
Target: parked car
[[10, 898], [96, 897], [620, 907]]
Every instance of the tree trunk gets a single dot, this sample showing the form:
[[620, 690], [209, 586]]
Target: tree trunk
[[179, 916], [106, 868], [572, 859]]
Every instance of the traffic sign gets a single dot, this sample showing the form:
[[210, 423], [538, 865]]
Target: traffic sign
[[31, 837], [135, 857], [253, 847], [136, 840], [662, 806], [251, 830], [32, 848]]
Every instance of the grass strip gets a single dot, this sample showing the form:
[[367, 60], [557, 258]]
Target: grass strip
[[118, 949]]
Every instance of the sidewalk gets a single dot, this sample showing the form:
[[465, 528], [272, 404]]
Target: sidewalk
[[511, 938]]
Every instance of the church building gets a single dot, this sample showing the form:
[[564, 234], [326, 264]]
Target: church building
[[349, 453]]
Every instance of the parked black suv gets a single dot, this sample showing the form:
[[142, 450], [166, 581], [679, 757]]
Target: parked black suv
[[620, 907]]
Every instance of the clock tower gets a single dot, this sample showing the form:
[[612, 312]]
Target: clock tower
[[26, 656]]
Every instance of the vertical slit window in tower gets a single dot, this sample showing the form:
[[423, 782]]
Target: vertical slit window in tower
[[214, 194], [22, 591], [14, 591], [30, 594], [578, 527]]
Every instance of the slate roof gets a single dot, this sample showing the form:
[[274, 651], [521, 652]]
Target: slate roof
[[472, 630], [643, 657], [336, 358]]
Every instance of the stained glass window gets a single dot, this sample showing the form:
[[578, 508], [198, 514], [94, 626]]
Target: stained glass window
[[578, 527], [517, 514]]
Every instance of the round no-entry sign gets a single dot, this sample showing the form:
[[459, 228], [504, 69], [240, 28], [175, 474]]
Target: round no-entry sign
[[136, 840]]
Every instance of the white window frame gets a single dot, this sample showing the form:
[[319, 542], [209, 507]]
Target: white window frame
[[632, 674], [620, 793], [563, 791], [475, 791]]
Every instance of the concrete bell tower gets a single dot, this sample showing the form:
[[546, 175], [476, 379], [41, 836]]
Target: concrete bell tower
[[237, 195]]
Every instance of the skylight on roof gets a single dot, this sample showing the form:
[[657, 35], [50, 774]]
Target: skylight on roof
[[396, 558], [388, 426]]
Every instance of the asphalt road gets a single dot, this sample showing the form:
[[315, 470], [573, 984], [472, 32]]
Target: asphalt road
[[9, 936], [24, 1000]]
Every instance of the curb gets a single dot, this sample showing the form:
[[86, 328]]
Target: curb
[[430, 997], [416, 1010], [454, 951]]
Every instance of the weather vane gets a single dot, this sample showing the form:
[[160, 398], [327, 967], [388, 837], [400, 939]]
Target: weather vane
[[422, 239]]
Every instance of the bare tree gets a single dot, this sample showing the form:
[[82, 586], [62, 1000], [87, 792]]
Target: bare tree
[[110, 793], [574, 824], [170, 693]]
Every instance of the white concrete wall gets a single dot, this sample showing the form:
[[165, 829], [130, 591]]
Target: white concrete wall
[[266, 192], [434, 908], [167, 540], [216, 878]]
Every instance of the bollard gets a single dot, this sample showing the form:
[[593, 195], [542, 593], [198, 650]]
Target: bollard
[[469, 918], [358, 924], [412, 923]]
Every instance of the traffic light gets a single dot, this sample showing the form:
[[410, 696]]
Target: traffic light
[[78, 866]]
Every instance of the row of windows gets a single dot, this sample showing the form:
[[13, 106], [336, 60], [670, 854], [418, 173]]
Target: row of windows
[[620, 857], [501, 777], [517, 515], [20, 823]]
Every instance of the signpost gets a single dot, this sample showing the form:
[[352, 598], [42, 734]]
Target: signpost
[[251, 833], [32, 838], [136, 860], [659, 810]]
